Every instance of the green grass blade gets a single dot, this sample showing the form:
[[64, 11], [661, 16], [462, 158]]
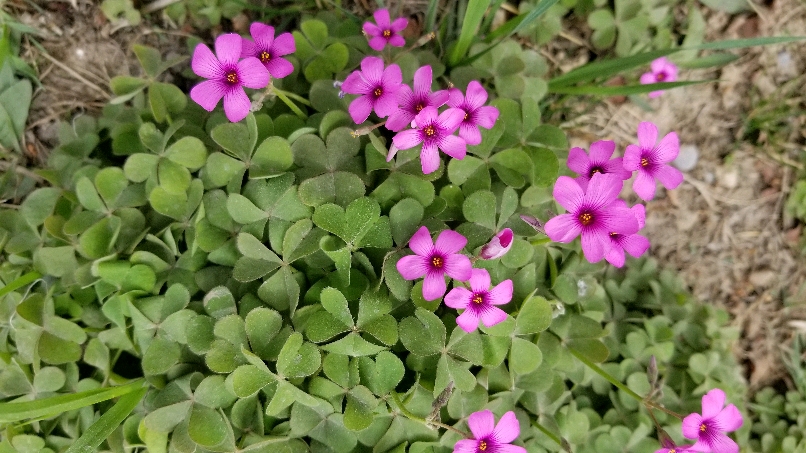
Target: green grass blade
[[431, 16], [55, 405], [624, 90], [23, 280], [488, 19], [470, 24], [103, 427], [717, 59], [609, 68]]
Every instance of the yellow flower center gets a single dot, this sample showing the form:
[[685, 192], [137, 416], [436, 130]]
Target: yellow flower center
[[465, 116], [429, 131], [613, 234], [483, 445], [478, 299], [702, 428], [419, 107], [387, 33], [437, 262], [265, 56], [232, 77], [585, 218], [644, 162], [672, 450]]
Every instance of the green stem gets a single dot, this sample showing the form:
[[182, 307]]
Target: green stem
[[551, 435], [294, 96], [282, 95], [402, 408], [23, 280]]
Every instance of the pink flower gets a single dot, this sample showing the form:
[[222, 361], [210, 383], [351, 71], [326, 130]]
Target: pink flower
[[634, 244], [591, 213], [489, 437], [498, 246], [377, 86], [479, 302], [476, 114], [651, 161], [660, 70], [386, 31], [227, 76], [599, 161], [413, 102], [269, 49], [434, 133], [675, 449], [709, 428], [435, 260]]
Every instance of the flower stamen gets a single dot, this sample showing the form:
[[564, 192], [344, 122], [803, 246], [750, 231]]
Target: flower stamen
[[232, 77], [429, 131], [482, 445], [265, 56], [586, 218], [644, 162], [377, 92], [387, 33], [437, 262], [478, 299]]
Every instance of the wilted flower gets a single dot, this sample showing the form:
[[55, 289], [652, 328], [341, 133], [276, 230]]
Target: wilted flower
[[660, 70], [651, 161], [591, 213], [269, 50], [385, 31], [598, 161], [227, 76], [634, 244], [498, 246], [411, 103], [479, 303], [377, 86], [435, 260], [489, 437], [709, 428], [476, 113], [435, 133]]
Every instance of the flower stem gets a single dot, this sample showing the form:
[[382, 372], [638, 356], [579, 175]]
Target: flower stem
[[283, 97], [402, 408], [560, 441]]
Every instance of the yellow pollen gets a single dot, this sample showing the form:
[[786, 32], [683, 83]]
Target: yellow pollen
[[465, 116], [483, 445], [644, 162], [585, 218], [672, 450], [265, 56], [477, 299], [702, 428], [436, 261], [419, 107], [232, 77], [613, 234], [429, 131], [595, 170], [378, 92], [387, 33]]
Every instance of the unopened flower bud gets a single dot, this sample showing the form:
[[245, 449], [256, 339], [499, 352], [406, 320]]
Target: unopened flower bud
[[498, 246]]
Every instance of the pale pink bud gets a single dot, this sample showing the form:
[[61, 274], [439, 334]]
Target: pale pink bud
[[498, 246]]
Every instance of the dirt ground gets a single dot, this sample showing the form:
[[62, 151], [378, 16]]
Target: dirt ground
[[724, 229]]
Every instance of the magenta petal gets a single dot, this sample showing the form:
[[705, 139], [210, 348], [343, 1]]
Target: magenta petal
[[279, 67], [647, 78], [208, 93], [466, 446], [476, 95], [468, 320], [729, 419], [433, 286], [603, 189], [385, 105], [399, 24], [428, 115], [392, 77], [382, 18], [360, 109], [228, 48], [397, 41], [486, 116], [635, 244], [647, 135], [498, 246], [617, 220], [578, 161], [356, 84], [669, 176], [450, 119], [455, 97], [616, 167], [639, 211], [422, 81], [458, 267], [616, 256], [205, 64], [262, 34], [372, 68], [252, 73], [691, 426], [249, 48], [420, 243], [409, 139], [568, 193], [563, 228], [720, 443], [470, 134], [377, 43], [507, 429], [509, 448], [712, 403], [654, 94], [412, 267], [429, 157], [492, 316], [284, 44], [453, 146], [236, 105], [593, 246], [438, 98], [450, 242], [479, 280], [644, 185], [481, 423], [632, 158], [667, 150], [458, 297], [602, 150], [399, 119], [372, 30], [501, 294]]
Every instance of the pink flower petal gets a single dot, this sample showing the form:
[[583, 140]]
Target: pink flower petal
[[712, 403], [208, 93], [691, 426], [616, 256], [284, 44], [372, 69], [667, 150], [486, 116], [450, 242], [568, 193], [228, 48], [476, 95], [252, 73], [429, 157], [382, 18], [455, 97], [372, 30], [438, 98], [616, 167], [205, 64], [654, 94], [420, 243], [449, 120], [563, 228], [465, 446], [409, 139], [507, 429], [602, 151], [262, 34], [279, 67], [458, 297], [468, 321], [412, 267], [647, 78], [594, 247], [386, 105], [720, 443], [647, 135], [659, 64], [427, 116], [422, 81], [433, 286], [578, 161], [635, 244], [669, 176], [729, 419], [470, 134], [397, 41], [644, 185], [399, 24], [632, 157], [392, 77], [639, 211], [481, 423], [479, 280], [360, 109], [603, 189], [498, 246], [236, 104], [509, 448], [458, 267], [356, 84], [453, 146], [492, 316], [617, 220], [249, 48], [500, 294], [377, 43]]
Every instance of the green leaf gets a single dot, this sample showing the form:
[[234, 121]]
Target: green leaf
[[16, 101], [479, 207], [235, 139], [470, 23], [96, 242], [316, 32], [160, 356], [139, 167], [173, 205], [534, 316], [102, 428], [150, 59], [49, 379], [405, 218], [165, 98], [189, 152], [207, 427], [524, 356], [424, 334], [39, 205], [247, 380], [262, 324], [56, 261], [546, 166], [219, 302], [272, 158], [624, 90], [338, 187], [243, 210], [173, 178], [336, 304], [298, 358], [383, 374], [352, 224], [286, 395], [212, 392], [358, 414], [353, 345], [88, 196]]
